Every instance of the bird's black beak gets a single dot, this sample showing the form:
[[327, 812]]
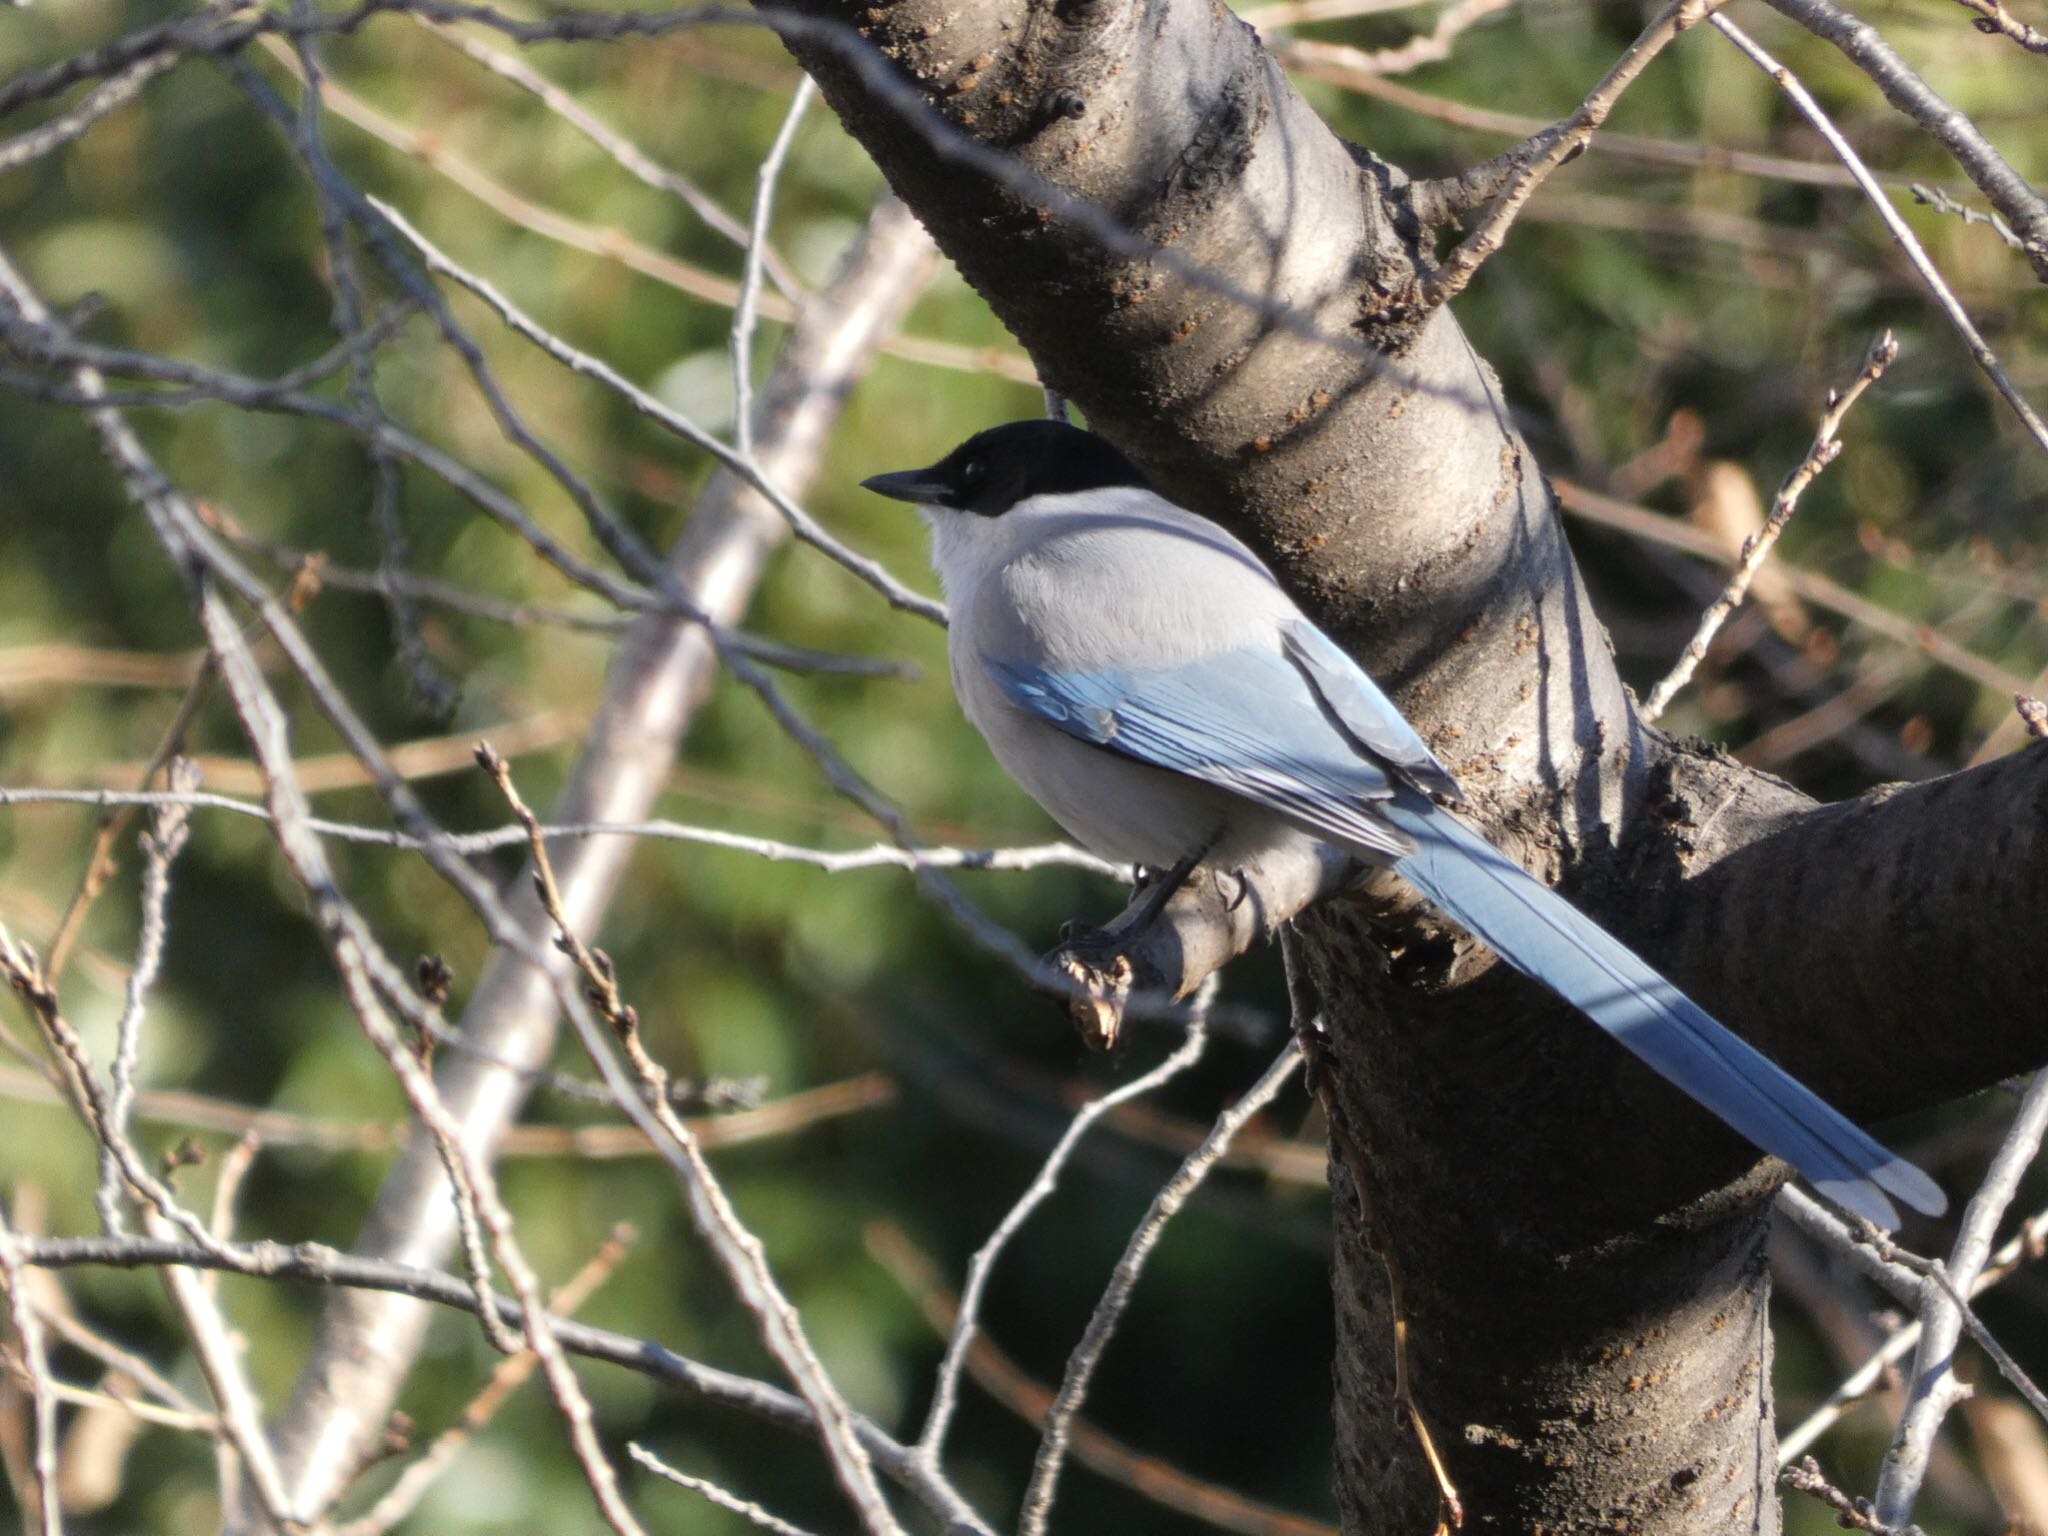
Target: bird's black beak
[[925, 487]]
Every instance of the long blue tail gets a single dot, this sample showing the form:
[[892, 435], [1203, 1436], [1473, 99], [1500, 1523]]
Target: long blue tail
[[1543, 936]]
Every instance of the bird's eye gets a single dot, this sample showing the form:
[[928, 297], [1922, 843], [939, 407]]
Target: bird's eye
[[973, 472]]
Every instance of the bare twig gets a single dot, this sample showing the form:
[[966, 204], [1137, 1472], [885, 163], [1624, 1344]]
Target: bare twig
[[802, 524], [160, 847], [317, 1264], [347, 1387], [746, 1509], [1851, 1514], [945, 1394], [1513, 179], [1003, 1379], [633, 159], [1431, 47], [420, 1474], [204, 561], [1944, 296], [1941, 202], [736, 1249], [1052, 1448], [832, 861], [110, 95], [1675, 154], [99, 862], [1821, 590], [1935, 1388], [1757, 547], [24, 974], [744, 1127], [1994, 20], [431, 691], [615, 245], [28, 1333], [741, 345], [1866, 47], [234, 1399]]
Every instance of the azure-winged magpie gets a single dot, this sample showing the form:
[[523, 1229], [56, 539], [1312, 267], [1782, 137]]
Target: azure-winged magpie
[[1144, 677]]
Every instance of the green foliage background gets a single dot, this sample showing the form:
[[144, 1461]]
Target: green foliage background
[[185, 219]]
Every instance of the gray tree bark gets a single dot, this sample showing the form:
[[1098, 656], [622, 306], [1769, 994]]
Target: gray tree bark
[[1582, 1250]]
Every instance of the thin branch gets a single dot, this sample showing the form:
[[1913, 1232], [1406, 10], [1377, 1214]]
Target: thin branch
[[634, 160], [1525, 169], [629, 747], [1994, 20], [743, 1127], [28, 1333], [1944, 296], [737, 1251], [110, 95], [1851, 1514], [615, 245], [321, 572], [1301, 13], [1935, 1388], [169, 827], [431, 691], [318, 1264], [1003, 1379], [1081, 1364], [421, 1473], [1672, 154], [234, 1399], [1431, 47], [1865, 47], [1901, 1283], [741, 344], [1941, 202], [1824, 591], [746, 1509], [802, 524], [832, 861], [945, 1393], [23, 972], [1757, 547], [358, 960]]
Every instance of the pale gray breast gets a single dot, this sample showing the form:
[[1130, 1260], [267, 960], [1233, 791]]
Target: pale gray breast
[[1122, 581]]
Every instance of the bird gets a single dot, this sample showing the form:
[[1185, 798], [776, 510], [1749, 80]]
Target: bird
[[1141, 673]]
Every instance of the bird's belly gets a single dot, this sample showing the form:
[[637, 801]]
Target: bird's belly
[[1128, 812]]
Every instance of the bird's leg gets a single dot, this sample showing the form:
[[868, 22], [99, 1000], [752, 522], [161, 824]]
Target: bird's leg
[[1160, 889]]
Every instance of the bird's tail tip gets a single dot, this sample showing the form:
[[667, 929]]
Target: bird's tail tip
[[1871, 1195]]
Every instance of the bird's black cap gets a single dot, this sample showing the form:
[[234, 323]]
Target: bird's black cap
[[994, 470]]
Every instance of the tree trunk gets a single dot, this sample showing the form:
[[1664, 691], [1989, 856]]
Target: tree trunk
[[1581, 1249]]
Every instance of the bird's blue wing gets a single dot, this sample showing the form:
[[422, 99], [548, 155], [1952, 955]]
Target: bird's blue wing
[[1362, 711], [1244, 721]]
